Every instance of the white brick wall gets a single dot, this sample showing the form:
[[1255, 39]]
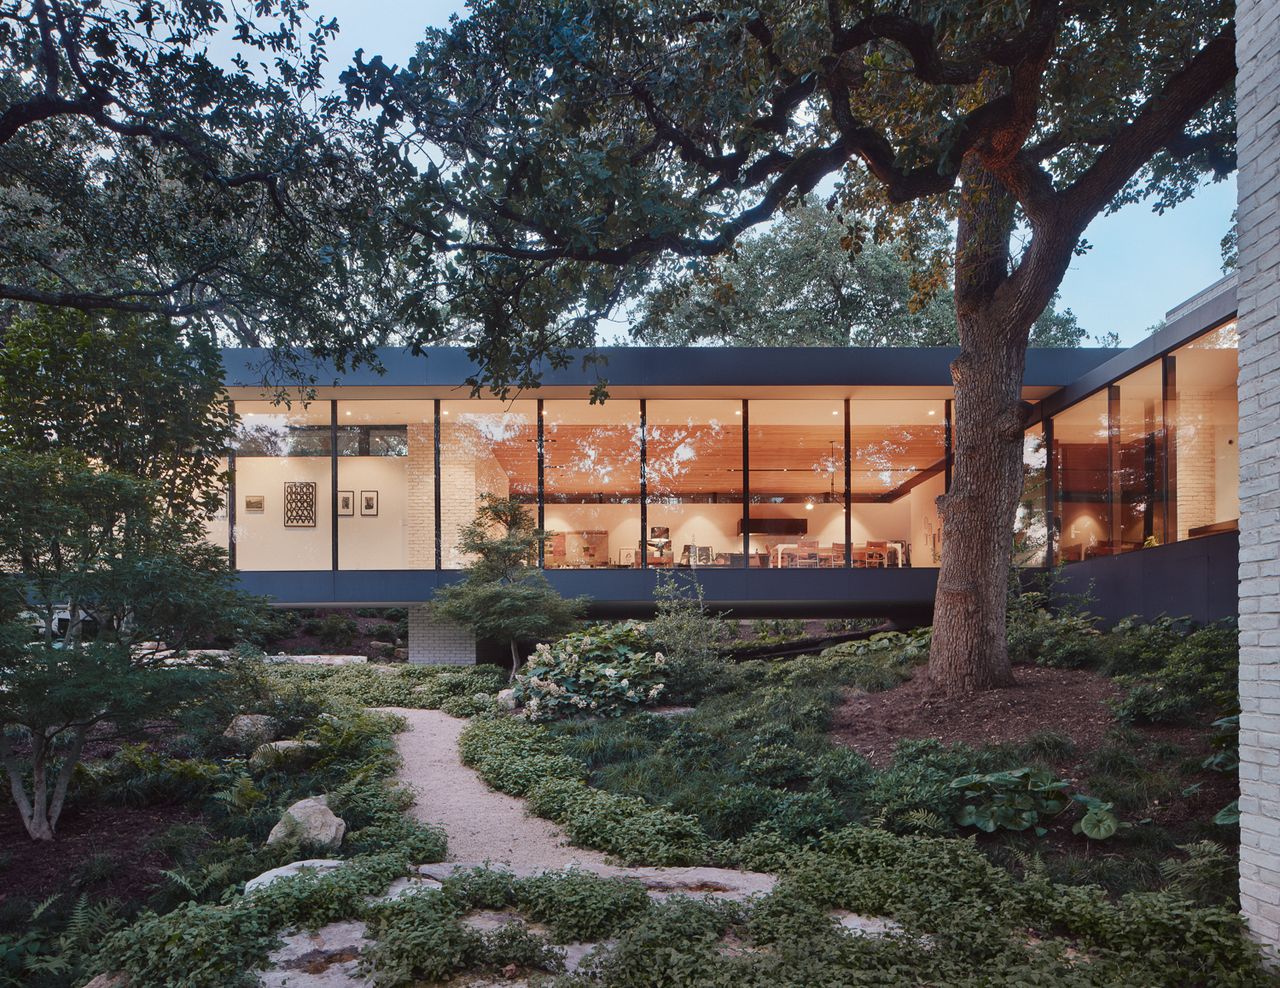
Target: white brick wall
[[1258, 112], [438, 643]]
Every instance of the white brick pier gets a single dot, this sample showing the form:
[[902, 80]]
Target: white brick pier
[[1258, 110], [438, 643]]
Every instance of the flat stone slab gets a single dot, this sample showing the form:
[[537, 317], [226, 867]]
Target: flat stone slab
[[326, 958], [320, 660], [720, 883], [406, 886], [865, 926], [289, 870]]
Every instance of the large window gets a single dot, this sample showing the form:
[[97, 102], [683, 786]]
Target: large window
[[1082, 453], [694, 477], [796, 483], [898, 470], [1138, 460], [386, 484], [591, 483], [1205, 428], [486, 447], [1031, 530], [283, 489], [1152, 458]]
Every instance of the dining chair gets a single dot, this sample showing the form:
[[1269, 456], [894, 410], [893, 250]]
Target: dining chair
[[838, 554], [877, 553], [806, 553]]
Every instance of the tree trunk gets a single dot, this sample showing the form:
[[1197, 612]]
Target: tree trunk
[[969, 650], [515, 661]]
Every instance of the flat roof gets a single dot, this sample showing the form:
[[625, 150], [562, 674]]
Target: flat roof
[[658, 370]]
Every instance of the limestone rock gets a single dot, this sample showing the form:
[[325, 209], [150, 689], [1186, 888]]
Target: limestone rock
[[507, 699], [866, 926], [276, 754], [406, 886], [718, 883], [310, 822], [325, 958], [289, 870], [247, 728], [116, 979]]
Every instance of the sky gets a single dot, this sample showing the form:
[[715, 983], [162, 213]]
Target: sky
[[1140, 266]]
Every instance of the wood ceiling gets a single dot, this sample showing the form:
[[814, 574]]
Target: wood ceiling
[[704, 460]]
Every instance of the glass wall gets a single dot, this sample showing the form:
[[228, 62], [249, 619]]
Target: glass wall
[[284, 517], [1204, 424], [1138, 509], [217, 527], [591, 483], [486, 447], [694, 480], [898, 470], [1031, 529], [386, 484], [1082, 458], [796, 483]]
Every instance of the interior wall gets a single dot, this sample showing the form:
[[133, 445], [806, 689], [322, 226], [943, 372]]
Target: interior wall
[[620, 521], [925, 524], [374, 541], [262, 540]]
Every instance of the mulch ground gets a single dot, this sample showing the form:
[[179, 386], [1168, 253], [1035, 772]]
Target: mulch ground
[[1071, 702], [127, 866]]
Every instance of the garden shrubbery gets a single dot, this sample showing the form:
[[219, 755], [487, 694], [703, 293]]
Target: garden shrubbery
[[604, 670]]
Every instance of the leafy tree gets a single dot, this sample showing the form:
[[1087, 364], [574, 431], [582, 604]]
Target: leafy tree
[[110, 431], [503, 596], [137, 174], [807, 281], [579, 142], [142, 395]]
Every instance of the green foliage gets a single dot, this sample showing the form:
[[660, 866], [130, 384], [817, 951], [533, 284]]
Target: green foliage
[[336, 630], [416, 687], [52, 947], [1063, 640], [603, 670], [1014, 799], [578, 905], [688, 635], [503, 596], [1198, 677]]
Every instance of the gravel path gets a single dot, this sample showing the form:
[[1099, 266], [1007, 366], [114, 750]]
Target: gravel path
[[482, 825]]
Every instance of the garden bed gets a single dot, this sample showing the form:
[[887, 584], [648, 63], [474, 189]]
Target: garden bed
[[1068, 702]]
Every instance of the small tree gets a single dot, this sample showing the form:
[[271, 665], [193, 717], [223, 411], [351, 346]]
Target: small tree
[[79, 538], [503, 596]]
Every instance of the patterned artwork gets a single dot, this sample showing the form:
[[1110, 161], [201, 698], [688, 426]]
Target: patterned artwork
[[299, 504]]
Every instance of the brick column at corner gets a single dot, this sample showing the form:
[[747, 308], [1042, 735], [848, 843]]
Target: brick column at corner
[[1258, 111]]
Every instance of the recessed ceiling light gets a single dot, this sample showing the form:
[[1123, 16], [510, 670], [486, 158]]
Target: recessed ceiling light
[[932, 412]]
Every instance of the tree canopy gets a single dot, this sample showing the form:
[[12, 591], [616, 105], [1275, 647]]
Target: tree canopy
[[140, 173], [576, 142], [805, 282]]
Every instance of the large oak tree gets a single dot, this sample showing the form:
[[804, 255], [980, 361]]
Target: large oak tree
[[576, 142]]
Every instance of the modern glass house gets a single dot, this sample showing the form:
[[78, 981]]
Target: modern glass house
[[789, 480]]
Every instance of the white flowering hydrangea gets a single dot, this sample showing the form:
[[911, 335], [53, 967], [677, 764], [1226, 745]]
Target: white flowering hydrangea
[[604, 670]]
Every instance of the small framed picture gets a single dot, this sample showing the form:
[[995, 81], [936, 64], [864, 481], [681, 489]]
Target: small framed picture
[[255, 503], [368, 502], [346, 502]]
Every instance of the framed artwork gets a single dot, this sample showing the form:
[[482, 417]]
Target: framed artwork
[[346, 502], [299, 504], [255, 503], [626, 557], [368, 502]]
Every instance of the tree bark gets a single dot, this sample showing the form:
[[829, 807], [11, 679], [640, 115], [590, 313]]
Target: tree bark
[[515, 661], [969, 650]]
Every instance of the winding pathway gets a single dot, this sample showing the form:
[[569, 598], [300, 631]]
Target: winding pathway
[[481, 824]]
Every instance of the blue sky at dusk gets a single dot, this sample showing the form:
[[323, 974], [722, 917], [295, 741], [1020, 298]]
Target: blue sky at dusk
[[1140, 266]]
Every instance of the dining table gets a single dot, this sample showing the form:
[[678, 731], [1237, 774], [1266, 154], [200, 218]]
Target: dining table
[[826, 556]]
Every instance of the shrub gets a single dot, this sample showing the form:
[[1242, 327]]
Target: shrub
[[419, 937], [1064, 640], [604, 670], [578, 905], [689, 636], [1200, 676], [335, 630]]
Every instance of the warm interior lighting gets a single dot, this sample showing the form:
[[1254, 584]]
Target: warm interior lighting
[[932, 412]]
